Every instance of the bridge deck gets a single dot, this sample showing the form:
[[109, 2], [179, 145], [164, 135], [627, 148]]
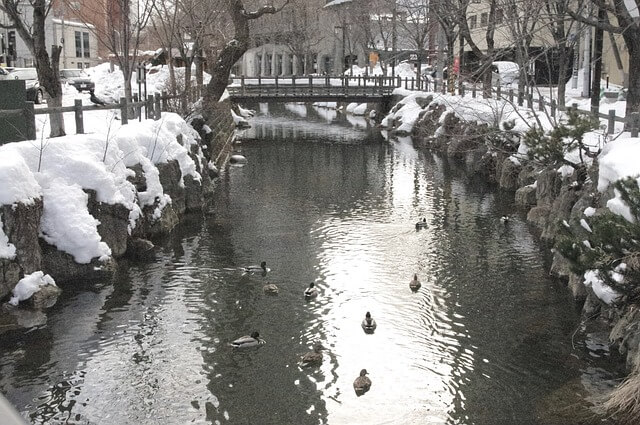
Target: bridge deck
[[314, 89]]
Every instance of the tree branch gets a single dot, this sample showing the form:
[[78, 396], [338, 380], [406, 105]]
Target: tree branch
[[264, 10]]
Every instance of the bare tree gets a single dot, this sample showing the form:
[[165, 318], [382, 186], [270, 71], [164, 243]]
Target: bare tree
[[416, 26], [626, 14], [32, 31], [235, 48], [123, 33]]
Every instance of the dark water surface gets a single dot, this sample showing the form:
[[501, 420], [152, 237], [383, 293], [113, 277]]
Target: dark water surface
[[488, 339]]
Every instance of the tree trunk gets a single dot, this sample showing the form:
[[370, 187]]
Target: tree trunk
[[562, 72], [633, 96], [598, 39]]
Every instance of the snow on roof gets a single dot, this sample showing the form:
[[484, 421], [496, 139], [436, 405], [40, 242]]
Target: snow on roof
[[336, 2]]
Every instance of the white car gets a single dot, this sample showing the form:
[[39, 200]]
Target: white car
[[504, 73]]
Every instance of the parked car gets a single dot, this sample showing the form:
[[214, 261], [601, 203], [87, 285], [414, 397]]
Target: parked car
[[504, 73], [77, 78], [35, 93]]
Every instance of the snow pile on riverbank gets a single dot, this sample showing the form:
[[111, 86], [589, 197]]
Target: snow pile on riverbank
[[29, 285], [59, 170], [403, 70]]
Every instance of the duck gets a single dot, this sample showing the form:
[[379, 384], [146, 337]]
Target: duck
[[504, 219], [421, 224], [262, 268], [362, 383], [270, 289], [311, 291], [415, 283], [248, 341], [313, 358], [368, 324]]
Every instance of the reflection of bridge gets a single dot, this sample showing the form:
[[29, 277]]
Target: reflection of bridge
[[342, 88]]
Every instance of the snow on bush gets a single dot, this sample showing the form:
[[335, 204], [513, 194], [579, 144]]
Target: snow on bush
[[29, 285], [603, 291], [618, 160]]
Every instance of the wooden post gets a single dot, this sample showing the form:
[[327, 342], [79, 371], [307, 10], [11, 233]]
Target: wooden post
[[473, 91], [310, 84], [498, 91], [461, 89], [77, 111], [123, 111], [156, 108], [165, 101], [359, 81], [259, 81], [635, 123], [276, 85], [530, 101], [611, 121], [30, 119], [553, 107], [137, 108], [399, 81], [541, 103], [242, 84], [149, 106], [520, 97]]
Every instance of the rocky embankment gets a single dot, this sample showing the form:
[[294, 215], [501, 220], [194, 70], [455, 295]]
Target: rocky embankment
[[87, 203], [551, 197]]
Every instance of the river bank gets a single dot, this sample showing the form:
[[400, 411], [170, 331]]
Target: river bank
[[70, 207], [555, 197]]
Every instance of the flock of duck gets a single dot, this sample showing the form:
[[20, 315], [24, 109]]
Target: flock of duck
[[362, 383]]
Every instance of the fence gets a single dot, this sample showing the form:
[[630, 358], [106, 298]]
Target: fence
[[153, 106], [632, 121]]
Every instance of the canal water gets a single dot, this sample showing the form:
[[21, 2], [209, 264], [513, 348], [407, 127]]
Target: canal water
[[488, 339]]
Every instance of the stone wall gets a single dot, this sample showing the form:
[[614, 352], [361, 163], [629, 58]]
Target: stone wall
[[549, 199]]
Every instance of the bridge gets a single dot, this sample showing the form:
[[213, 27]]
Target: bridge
[[343, 88]]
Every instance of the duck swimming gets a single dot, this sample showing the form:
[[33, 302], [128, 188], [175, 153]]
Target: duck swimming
[[421, 224], [504, 219], [415, 283], [313, 358], [368, 324], [262, 268], [271, 289], [362, 384], [311, 291], [248, 341]]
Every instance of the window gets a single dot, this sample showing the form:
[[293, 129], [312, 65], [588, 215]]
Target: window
[[484, 19], [473, 21], [82, 44], [78, 44], [85, 44]]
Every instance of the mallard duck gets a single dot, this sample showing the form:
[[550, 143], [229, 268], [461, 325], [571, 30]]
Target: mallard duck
[[421, 224], [262, 268], [313, 358], [271, 289], [248, 341], [415, 283], [504, 219], [311, 291], [362, 384], [368, 324]]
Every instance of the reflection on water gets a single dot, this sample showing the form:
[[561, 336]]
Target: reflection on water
[[488, 339]]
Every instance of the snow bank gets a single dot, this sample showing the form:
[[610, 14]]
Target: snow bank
[[407, 114], [97, 161], [29, 285], [18, 184], [356, 108], [603, 291]]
